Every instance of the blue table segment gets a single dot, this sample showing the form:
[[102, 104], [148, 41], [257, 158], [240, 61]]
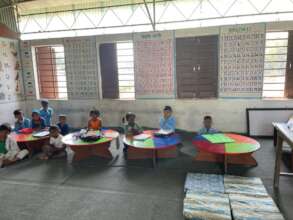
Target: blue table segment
[[171, 140], [199, 182]]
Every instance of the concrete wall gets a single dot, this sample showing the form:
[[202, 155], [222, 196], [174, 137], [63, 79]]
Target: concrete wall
[[7, 108], [228, 114]]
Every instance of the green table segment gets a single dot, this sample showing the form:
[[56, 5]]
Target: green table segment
[[227, 148]]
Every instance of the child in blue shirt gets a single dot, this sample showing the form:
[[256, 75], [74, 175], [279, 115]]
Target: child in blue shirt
[[167, 122], [207, 129], [46, 112], [38, 123], [21, 121], [62, 125]]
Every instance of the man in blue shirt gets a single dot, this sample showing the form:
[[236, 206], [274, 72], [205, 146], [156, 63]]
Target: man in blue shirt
[[207, 129], [46, 112], [167, 122], [21, 121]]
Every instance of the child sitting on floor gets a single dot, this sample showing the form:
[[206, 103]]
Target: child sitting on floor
[[207, 129], [55, 148], [95, 123], [62, 125], [167, 122], [131, 127], [21, 121], [38, 123], [9, 150]]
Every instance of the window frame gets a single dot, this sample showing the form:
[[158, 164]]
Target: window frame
[[276, 60], [131, 72], [36, 72]]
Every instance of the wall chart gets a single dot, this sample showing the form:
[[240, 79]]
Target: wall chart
[[241, 60], [81, 67], [153, 65], [10, 70]]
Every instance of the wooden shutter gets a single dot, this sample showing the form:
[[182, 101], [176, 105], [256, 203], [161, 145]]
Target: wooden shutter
[[109, 70], [289, 68], [197, 67], [47, 72]]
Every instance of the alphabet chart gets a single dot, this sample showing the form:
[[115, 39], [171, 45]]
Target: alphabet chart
[[10, 70], [81, 67], [242, 60], [153, 66], [27, 69]]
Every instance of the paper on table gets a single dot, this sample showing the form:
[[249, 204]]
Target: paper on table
[[164, 132], [141, 137], [218, 138], [41, 134]]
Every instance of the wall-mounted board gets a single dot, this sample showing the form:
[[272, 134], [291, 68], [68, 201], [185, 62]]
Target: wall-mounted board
[[259, 120]]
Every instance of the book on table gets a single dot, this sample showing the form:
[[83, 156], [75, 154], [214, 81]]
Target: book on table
[[218, 138]]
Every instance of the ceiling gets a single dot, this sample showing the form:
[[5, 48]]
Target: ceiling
[[4, 3], [26, 7]]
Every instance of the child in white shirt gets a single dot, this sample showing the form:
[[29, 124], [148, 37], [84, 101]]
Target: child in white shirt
[[9, 150], [55, 148]]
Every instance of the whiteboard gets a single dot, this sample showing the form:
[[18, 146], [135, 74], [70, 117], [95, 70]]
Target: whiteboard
[[259, 121]]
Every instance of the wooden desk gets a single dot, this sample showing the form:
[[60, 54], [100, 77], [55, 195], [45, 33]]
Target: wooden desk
[[283, 134], [28, 141], [83, 150], [153, 147], [238, 152]]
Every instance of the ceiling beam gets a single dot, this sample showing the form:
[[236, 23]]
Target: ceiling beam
[[149, 14]]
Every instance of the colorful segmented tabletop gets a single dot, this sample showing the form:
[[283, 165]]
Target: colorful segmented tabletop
[[73, 140], [241, 145], [21, 138], [153, 142]]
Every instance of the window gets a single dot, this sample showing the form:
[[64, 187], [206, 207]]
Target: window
[[275, 64], [125, 70], [50, 72]]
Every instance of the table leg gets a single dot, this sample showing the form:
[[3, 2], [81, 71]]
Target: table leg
[[154, 158], [278, 161], [292, 159], [275, 137], [225, 163]]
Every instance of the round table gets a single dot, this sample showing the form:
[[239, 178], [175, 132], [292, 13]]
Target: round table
[[29, 142], [238, 152], [153, 147], [84, 149]]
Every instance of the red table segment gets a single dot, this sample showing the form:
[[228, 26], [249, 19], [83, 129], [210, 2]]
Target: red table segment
[[238, 152]]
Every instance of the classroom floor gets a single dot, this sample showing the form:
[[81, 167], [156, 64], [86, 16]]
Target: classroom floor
[[117, 189]]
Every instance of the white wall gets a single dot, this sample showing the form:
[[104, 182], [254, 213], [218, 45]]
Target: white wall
[[7, 108], [228, 114]]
